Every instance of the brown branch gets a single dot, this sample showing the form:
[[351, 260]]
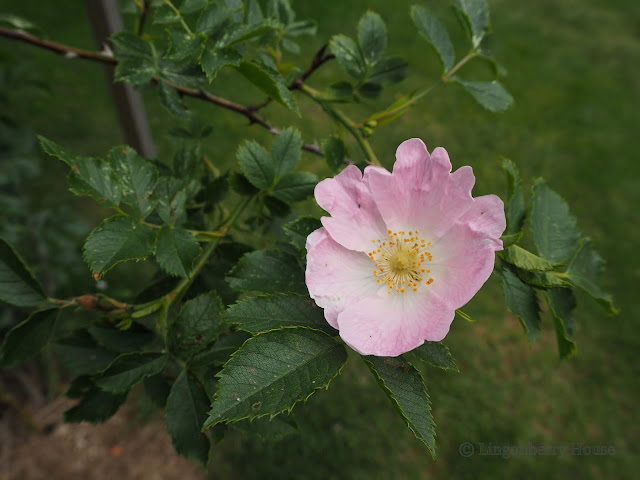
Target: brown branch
[[248, 112], [319, 60]]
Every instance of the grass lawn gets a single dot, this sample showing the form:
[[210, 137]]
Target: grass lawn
[[574, 73]]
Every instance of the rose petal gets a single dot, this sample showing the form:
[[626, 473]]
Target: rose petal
[[336, 276]]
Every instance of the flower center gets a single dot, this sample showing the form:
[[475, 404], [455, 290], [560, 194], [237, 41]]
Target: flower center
[[399, 259]]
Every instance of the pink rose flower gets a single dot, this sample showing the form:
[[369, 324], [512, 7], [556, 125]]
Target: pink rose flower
[[401, 251]]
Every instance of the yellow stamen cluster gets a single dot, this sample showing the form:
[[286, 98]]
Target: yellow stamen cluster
[[399, 259]]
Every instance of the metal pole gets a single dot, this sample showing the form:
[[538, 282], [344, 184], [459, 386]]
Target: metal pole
[[105, 19]]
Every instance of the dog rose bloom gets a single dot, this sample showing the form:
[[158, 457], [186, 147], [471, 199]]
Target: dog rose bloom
[[401, 251]]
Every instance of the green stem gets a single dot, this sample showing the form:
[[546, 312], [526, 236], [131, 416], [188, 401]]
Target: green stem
[[177, 12], [338, 115]]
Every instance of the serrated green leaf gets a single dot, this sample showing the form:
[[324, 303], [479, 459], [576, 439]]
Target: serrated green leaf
[[136, 60], [18, 286], [185, 413], [476, 16], [437, 354], [192, 6], [389, 71], [349, 55], [286, 151], [334, 151], [256, 164], [295, 186], [28, 338], [248, 32], [522, 301], [301, 27], [405, 387], [270, 82], [137, 178], [430, 28], [299, 229], [183, 45], [490, 95], [270, 312], [254, 12], [172, 101], [562, 303], [213, 18], [157, 388], [88, 176], [273, 371], [526, 260], [508, 240], [218, 354], [129, 369], [80, 354], [214, 60], [281, 9], [544, 280], [267, 271], [585, 271], [122, 341], [96, 406], [515, 209], [176, 250], [276, 207], [170, 197], [372, 37], [197, 325], [555, 230], [116, 240]]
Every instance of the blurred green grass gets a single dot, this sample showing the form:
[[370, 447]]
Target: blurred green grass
[[574, 73]]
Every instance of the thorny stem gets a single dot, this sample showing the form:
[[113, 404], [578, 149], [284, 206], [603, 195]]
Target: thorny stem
[[70, 52]]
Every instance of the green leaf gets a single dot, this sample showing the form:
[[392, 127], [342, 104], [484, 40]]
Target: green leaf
[[522, 301], [157, 388], [273, 371], [555, 231], [405, 387], [254, 12], [170, 197], [372, 37], [270, 312], [544, 280], [341, 91], [270, 82], [515, 209], [96, 406], [185, 413], [136, 60], [214, 60], [137, 178], [166, 15], [28, 338], [430, 28], [182, 45], [295, 186], [176, 250], [18, 286], [370, 90], [562, 303], [301, 27], [18, 23], [276, 207], [122, 341], [256, 164], [172, 101], [213, 18], [476, 16], [286, 151], [334, 151], [508, 240], [196, 327], [129, 369], [526, 260], [389, 71], [585, 271], [192, 6], [490, 95], [88, 176], [218, 354], [299, 229], [267, 271], [248, 32], [349, 55], [437, 354], [80, 354], [116, 240]]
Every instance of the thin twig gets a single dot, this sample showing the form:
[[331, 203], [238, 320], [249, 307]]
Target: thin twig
[[71, 52]]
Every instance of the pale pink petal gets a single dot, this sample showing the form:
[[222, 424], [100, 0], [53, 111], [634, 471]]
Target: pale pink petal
[[355, 219], [421, 193], [336, 276], [391, 325], [464, 257]]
